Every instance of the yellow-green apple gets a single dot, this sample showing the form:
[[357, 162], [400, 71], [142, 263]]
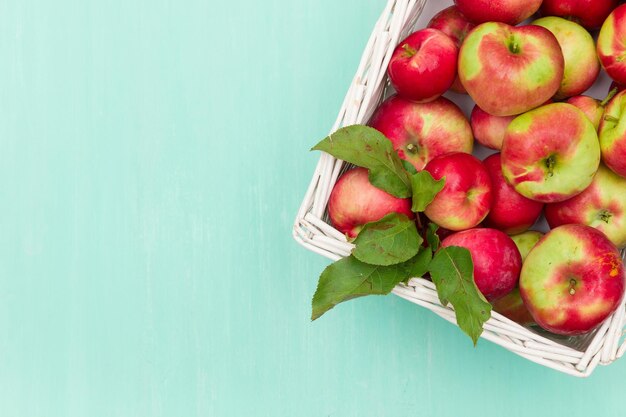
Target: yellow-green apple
[[551, 153], [424, 65], [507, 11], [572, 280], [454, 24], [489, 129], [354, 201], [613, 134], [602, 205], [526, 241], [510, 211], [589, 13], [421, 131], [579, 51], [511, 305], [611, 46], [508, 70], [466, 196], [496, 259]]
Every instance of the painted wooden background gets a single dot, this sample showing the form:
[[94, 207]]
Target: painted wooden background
[[153, 154]]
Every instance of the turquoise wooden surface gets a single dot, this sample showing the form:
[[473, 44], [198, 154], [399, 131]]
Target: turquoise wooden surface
[[153, 156]]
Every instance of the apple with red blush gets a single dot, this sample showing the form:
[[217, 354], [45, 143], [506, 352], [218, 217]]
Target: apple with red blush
[[509, 70], [506, 11], [496, 259], [613, 134], [551, 153], [466, 196], [572, 280], [510, 211], [420, 132], [354, 201], [424, 65], [589, 13], [454, 24]]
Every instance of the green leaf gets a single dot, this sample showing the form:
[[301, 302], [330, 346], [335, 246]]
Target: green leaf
[[350, 278], [417, 266], [367, 147], [388, 241], [452, 271], [425, 188], [432, 237], [409, 167]]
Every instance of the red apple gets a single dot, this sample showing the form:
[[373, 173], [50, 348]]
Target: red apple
[[551, 153], [579, 51], [424, 65], [454, 24], [466, 196], [422, 131], [602, 205], [354, 201], [507, 11], [511, 305], [496, 259], [489, 129], [611, 47], [572, 280], [613, 134], [508, 70], [510, 211], [589, 13], [593, 108]]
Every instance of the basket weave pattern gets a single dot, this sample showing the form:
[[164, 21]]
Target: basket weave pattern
[[576, 356]]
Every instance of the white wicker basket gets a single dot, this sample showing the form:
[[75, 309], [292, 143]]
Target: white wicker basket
[[576, 356]]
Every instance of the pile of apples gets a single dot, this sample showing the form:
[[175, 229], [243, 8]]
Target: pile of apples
[[558, 153]]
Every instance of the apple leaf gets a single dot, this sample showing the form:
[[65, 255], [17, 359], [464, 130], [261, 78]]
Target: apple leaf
[[452, 271], [409, 167], [425, 188], [388, 241], [368, 148], [432, 237], [418, 265], [350, 278]]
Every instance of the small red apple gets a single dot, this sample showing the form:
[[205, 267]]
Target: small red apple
[[592, 107], [572, 280], [589, 13], [507, 11], [454, 24], [496, 259], [354, 201], [510, 211], [489, 129], [424, 65], [466, 196], [422, 131]]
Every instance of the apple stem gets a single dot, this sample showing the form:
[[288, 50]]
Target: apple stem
[[411, 148], [513, 46], [408, 50], [610, 118], [605, 216], [572, 283], [550, 162], [609, 96]]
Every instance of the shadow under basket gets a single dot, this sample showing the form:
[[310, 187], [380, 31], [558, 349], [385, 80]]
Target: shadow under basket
[[577, 356]]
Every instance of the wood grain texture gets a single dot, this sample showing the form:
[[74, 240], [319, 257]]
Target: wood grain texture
[[153, 157]]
